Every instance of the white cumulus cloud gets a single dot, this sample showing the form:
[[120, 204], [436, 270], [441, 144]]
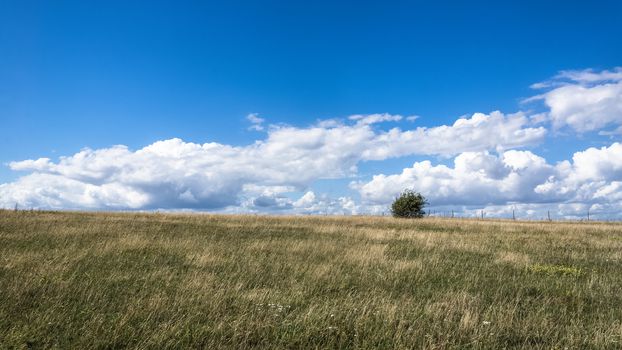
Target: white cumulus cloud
[[583, 100], [177, 174], [592, 179], [476, 178], [494, 131]]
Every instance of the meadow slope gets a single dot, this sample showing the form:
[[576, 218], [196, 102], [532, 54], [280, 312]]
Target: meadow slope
[[153, 281]]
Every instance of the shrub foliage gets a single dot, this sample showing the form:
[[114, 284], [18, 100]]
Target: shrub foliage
[[409, 204]]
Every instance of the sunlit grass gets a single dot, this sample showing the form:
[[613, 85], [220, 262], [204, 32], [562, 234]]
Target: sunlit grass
[[556, 270], [118, 280]]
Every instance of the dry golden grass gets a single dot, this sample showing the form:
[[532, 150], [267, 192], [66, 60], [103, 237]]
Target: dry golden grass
[[131, 280]]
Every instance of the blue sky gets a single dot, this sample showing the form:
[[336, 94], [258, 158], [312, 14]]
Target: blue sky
[[77, 74]]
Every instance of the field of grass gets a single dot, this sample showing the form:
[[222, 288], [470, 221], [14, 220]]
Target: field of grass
[[119, 280]]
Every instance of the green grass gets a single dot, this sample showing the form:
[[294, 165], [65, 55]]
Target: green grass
[[154, 281]]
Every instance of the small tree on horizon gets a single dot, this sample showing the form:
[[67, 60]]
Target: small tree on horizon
[[409, 204]]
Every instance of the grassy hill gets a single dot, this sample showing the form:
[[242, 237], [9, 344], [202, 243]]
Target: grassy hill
[[118, 280]]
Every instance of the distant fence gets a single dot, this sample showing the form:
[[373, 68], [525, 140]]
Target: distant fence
[[450, 214], [481, 215]]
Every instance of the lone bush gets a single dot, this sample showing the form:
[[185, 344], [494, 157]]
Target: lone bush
[[409, 204]]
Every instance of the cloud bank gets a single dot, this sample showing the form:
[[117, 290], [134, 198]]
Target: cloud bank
[[177, 174], [491, 166], [593, 179]]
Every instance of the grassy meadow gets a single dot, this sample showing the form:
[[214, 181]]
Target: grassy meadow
[[157, 281]]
